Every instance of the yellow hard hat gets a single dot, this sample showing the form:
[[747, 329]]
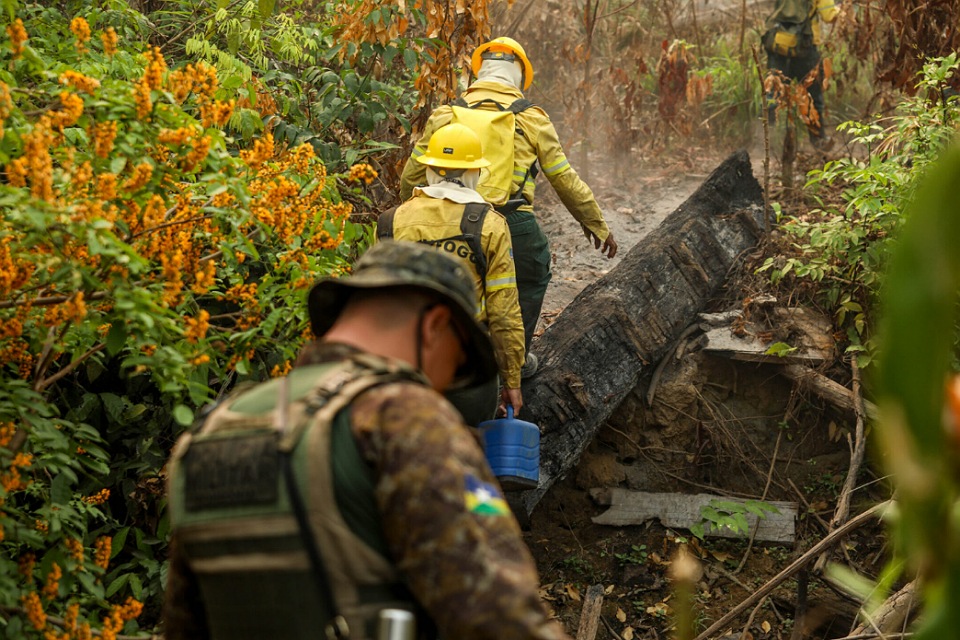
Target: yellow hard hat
[[503, 48], [454, 146]]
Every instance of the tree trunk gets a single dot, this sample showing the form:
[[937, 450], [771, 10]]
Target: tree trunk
[[592, 356]]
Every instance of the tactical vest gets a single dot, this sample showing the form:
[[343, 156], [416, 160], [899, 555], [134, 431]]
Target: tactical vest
[[235, 516], [789, 32]]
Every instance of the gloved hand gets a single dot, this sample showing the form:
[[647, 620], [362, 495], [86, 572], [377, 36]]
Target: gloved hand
[[609, 246]]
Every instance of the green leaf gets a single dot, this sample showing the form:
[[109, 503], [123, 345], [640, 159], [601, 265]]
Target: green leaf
[[119, 540], [118, 584], [266, 7], [183, 414], [116, 338], [60, 492]]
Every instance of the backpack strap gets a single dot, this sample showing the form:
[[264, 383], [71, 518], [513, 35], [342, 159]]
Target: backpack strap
[[471, 226], [385, 224]]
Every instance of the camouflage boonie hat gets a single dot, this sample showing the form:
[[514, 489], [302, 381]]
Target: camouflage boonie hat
[[409, 264]]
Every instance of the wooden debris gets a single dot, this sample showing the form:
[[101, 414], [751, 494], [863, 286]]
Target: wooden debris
[[833, 392], [590, 616], [807, 333], [593, 354], [683, 511]]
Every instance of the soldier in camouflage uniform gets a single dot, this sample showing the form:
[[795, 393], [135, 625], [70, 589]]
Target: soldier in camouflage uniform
[[400, 504]]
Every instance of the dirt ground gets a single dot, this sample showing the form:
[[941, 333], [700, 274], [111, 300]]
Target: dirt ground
[[731, 429]]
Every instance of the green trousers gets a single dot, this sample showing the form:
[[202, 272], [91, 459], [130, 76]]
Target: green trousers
[[531, 255], [478, 404]]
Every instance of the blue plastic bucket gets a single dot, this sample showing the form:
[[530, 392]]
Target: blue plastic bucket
[[512, 448]]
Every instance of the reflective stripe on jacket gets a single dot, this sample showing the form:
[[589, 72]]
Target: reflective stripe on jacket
[[539, 141], [427, 220]]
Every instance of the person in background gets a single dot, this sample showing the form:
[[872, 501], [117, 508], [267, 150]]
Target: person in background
[[792, 39]]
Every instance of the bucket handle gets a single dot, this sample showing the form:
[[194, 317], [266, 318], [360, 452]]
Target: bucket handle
[[509, 412]]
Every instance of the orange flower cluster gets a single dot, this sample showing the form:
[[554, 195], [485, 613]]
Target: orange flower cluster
[[244, 295], [216, 113], [119, 615], [75, 549], [36, 164], [263, 103], [78, 81], [25, 565], [42, 526], [172, 269], [237, 357], [13, 275], [52, 585], [107, 186], [69, 625], [362, 171], [261, 152], [156, 67], [6, 105], [18, 36], [196, 328], [104, 134], [199, 359], [279, 371], [81, 30], [7, 429], [98, 498], [34, 609], [139, 177], [101, 551], [67, 116], [12, 480], [109, 39], [198, 144], [204, 278], [141, 97]]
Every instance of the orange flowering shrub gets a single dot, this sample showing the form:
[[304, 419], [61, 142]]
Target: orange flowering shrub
[[145, 266]]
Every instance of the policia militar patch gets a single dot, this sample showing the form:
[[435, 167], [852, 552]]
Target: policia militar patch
[[229, 472]]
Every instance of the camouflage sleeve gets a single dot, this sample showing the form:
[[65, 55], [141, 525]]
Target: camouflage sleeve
[[450, 531]]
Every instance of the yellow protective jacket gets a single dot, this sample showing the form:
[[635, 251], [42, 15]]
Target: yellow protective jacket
[[826, 11], [427, 219], [538, 142]]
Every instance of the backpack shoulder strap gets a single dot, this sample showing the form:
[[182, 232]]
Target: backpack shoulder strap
[[471, 226], [385, 224], [477, 105], [520, 105], [460, 102]]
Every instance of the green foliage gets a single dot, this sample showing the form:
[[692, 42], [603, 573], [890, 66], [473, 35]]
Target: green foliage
[[147, 264], [637, 554], [845, 249], [921, 444], [731, 516]]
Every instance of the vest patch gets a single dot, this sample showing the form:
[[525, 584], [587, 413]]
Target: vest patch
[[232, 472], [483, 498]]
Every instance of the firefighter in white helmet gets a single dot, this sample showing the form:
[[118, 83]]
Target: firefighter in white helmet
[[503, 73]]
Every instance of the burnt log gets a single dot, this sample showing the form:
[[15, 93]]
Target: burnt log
[[594, 353]]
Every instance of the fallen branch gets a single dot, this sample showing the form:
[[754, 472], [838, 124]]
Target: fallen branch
[[814, 552], [827, 389], [858, 450]]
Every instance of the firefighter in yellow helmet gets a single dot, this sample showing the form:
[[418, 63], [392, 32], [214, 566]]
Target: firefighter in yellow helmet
[[503, 73], [448, 214]]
